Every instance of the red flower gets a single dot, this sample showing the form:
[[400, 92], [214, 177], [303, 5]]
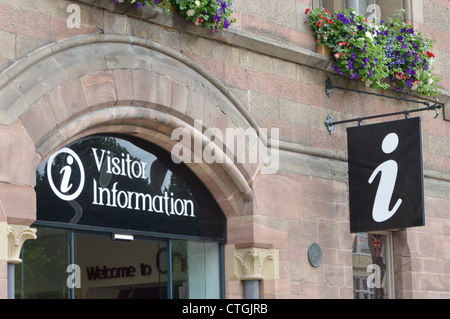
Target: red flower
[[307, 10], [319, 24], [430, 54]]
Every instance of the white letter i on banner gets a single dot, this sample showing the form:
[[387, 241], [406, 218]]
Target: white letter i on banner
[[388, 170]]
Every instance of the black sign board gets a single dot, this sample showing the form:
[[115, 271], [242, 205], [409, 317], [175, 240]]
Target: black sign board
[[116, 183], [385, 170]]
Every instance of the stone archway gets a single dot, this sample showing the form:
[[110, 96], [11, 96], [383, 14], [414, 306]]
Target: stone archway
[[119, 84]]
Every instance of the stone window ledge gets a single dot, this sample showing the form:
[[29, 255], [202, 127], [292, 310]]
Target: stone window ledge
[[239, 38]]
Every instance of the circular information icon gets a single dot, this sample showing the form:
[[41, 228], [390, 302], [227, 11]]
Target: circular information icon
[[66, 191]]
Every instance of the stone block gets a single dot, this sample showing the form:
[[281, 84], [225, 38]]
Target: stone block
[[39, 120], [270, 231], [19, 203], [7, 45], [17, 20], [99, 89], [79, 61], [277, 196], [124, 85], [17, 156], [38, 78]]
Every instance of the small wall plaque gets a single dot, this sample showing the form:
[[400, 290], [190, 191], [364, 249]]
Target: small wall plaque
[[315, 255]]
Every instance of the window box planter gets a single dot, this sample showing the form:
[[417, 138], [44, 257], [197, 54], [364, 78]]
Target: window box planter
[[385, 54], [212, 14]]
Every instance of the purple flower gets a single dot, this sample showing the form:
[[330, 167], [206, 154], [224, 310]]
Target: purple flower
[[337, 69], [409, 83], [342, 18], [226, 24], [400, 38], [411, 71], [224, 5]]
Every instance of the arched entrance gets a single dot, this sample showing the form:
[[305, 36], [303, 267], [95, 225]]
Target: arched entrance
[[123, 85], [117, 218]]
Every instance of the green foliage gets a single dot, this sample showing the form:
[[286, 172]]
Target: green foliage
[[213, 14]]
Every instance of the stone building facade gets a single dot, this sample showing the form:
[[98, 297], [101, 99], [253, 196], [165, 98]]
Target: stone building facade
[[144, 73]]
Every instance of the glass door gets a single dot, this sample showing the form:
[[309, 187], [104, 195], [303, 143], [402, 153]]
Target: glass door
[[66, 264], [74, 264], [120, 269]]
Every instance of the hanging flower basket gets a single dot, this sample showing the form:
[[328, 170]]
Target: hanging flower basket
[[383, 54], [212, 14]]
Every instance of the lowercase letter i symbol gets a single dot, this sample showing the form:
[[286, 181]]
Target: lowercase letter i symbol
[[66, 172], [388, 171]]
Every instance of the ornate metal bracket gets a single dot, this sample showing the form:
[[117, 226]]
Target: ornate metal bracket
[[331, 124]]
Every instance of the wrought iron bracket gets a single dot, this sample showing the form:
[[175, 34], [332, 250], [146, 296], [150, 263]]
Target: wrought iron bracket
[[331, 124]]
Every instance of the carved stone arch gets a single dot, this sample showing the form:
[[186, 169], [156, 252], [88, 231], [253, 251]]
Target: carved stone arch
[[122, 84]]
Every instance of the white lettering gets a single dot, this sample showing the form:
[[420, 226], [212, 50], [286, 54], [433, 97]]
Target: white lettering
[[99, 163], [199, 309], [123, 166], [162, 204], [388, 171]]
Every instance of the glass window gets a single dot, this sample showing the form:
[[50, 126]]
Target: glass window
[[372, 266], [114, 269], [196, 270], [43, 275], [103, 268]]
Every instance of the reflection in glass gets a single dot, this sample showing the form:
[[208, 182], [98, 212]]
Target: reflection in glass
[[43, 275], [196, 271], [369, 266], [120, 269]]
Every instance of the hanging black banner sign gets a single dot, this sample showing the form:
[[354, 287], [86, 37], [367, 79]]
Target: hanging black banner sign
[[114, 183], [385, 170]]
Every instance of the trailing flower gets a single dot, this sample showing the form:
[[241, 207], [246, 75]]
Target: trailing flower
[[410, 57], [213, 14], [383, 54]]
